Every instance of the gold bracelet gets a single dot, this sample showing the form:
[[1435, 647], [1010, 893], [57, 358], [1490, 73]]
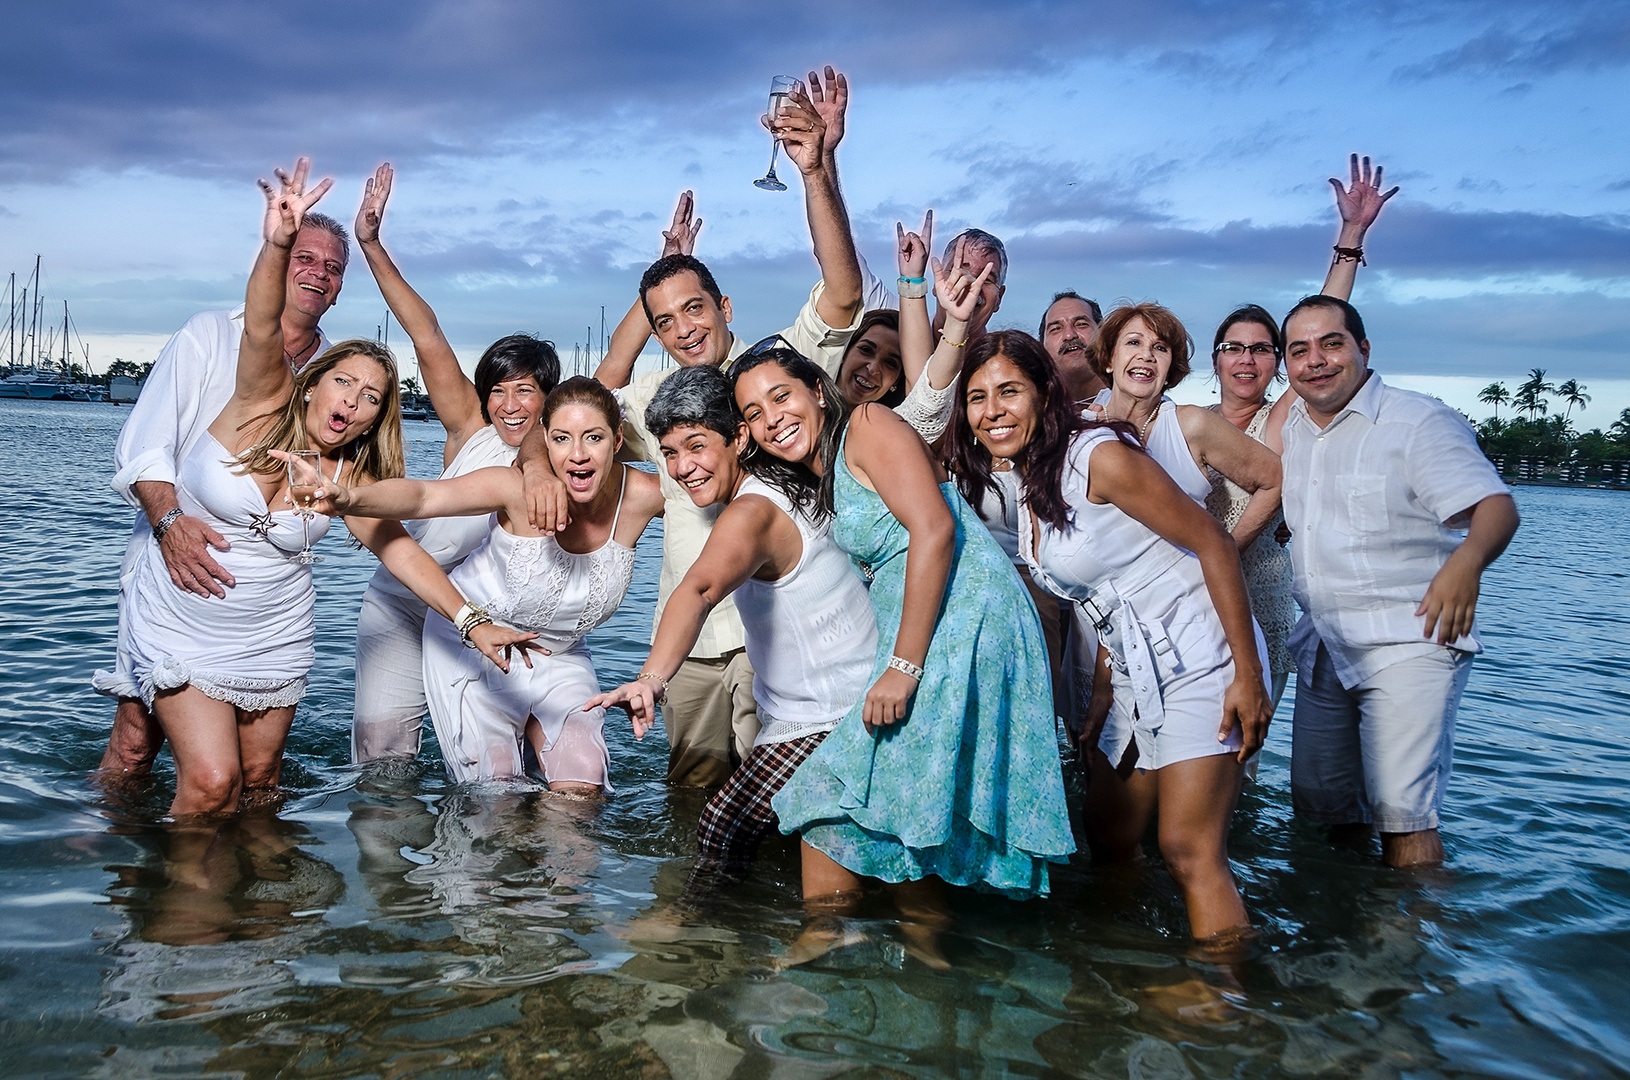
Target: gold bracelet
[[953, 344], [651, 676]]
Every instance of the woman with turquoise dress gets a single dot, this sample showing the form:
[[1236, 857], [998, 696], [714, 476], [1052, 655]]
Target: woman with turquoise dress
[[948, 769]]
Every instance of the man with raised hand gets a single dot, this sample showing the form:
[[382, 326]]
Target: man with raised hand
[[188, 386], [1396, 514], [708, 711]]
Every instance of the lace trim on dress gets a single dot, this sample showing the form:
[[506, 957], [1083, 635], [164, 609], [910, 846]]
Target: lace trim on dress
[[250, 695], [772, 730]]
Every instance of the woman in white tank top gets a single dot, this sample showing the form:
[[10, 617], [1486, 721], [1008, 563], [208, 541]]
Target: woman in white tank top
[[485, 421], [811, 633], [557, 587]]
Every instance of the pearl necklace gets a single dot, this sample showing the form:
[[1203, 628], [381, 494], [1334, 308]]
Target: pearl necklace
[[1143, 434]]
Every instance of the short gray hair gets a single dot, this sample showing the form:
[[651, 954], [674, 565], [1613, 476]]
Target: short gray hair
[[324, 223], [698, 396], [980, 240]]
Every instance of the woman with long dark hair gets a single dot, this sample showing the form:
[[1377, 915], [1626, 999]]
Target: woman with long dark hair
[[1103, 524], [947, 769]]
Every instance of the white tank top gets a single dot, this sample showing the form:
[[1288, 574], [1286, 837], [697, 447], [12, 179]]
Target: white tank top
[[811, 634], [532, 583], [450, 540], [1166, 444]]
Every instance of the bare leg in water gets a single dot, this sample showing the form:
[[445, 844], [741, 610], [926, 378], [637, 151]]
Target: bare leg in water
[[832, 892]]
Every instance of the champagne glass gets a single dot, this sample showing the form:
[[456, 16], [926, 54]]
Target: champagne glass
[[781, 87], [305, 481]]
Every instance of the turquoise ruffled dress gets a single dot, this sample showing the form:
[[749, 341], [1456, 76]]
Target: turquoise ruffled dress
[[969, 787]]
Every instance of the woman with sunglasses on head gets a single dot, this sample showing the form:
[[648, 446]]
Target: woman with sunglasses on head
[[1245, 356], [946, 771], [1102, 524]]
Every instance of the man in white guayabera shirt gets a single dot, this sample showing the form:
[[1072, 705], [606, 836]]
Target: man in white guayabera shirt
[[708, 711], [190, 383], [1396, 513]]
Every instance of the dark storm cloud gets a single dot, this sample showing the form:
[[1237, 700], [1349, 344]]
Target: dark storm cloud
[[190, 86]]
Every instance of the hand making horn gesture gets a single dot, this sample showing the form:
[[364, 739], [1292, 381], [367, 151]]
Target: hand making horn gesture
[[287, 205], [958, 293], [911, 249]]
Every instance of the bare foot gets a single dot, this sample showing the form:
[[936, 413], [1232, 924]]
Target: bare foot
[[922, 943], [1196, 1003], [819, 938]]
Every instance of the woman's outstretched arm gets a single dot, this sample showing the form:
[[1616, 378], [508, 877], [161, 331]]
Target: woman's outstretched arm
[[483, 491]]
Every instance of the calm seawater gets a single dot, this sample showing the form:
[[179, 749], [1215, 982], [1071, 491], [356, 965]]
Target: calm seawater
[[396, 926]]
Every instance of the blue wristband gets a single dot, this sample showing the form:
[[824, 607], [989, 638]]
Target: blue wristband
[[912, 280]]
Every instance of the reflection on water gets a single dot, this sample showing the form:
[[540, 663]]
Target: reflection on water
[[383, 923]]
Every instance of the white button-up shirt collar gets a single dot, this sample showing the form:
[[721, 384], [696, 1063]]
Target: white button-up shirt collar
[[1373, 499]]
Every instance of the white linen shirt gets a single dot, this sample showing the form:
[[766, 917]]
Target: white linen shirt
[[1374, 501], [685, 526]]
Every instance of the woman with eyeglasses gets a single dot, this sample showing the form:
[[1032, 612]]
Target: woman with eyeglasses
[[1245, 357]]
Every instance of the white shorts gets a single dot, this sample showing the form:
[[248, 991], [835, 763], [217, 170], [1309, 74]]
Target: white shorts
[[387, 713], [1380, 753]]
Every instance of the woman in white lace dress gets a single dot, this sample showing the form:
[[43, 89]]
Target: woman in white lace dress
[[559, 587]]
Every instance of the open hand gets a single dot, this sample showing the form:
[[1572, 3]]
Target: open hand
[[496, 642], [911, 249], [1360, 203], [287, 205], [1246, 706], [679, 238], [638, 699], [801, 130], [185, 549], [831, 102], [372, 211]]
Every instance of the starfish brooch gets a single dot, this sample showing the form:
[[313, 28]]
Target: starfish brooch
[[261, 525]]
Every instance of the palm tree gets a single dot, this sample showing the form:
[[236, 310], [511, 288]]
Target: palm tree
[[1495, 394], [411, 385], [1573, 394], [1530, 397], [1621, 427]]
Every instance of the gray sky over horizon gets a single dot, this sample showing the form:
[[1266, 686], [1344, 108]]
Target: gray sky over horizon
[[1174, 150]]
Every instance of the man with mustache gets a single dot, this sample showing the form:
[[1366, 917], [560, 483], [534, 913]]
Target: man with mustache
[[1067, 328], [190, 383]]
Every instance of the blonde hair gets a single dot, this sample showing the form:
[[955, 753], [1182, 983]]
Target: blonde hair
[[377, 453]]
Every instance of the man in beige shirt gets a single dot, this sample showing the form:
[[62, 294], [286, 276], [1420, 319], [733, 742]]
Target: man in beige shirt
[[708, 710]]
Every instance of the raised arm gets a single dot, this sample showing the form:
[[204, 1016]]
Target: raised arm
[[1359, 204], [634, 331], [412, 566], [1143, 490], [802, 132], [451, 391], [263, 375], [958, 294], [742, 541], [916, 333], [885, 453]]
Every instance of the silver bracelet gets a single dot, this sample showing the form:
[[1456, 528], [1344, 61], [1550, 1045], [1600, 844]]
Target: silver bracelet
[[906, 667], [164, 523]]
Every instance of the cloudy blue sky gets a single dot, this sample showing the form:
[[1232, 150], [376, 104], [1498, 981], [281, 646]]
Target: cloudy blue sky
[[1174, 150]]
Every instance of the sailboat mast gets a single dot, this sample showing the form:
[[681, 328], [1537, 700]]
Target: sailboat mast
[[34, 356]]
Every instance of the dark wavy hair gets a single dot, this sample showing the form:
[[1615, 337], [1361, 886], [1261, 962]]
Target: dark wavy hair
[[671, 265], [1165, 326], [1041, 463], [809, 493], [518, 356], [889, 319]]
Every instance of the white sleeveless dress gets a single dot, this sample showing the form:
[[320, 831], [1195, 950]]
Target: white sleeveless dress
[[530, 583], [1166, 444], [389, 701], [1170, 661], [811, 633], [251, 648]]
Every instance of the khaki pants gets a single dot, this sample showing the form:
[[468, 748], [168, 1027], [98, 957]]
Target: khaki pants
[[710, 718]]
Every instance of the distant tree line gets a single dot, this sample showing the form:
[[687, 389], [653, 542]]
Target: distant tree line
[[1548, 440]]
